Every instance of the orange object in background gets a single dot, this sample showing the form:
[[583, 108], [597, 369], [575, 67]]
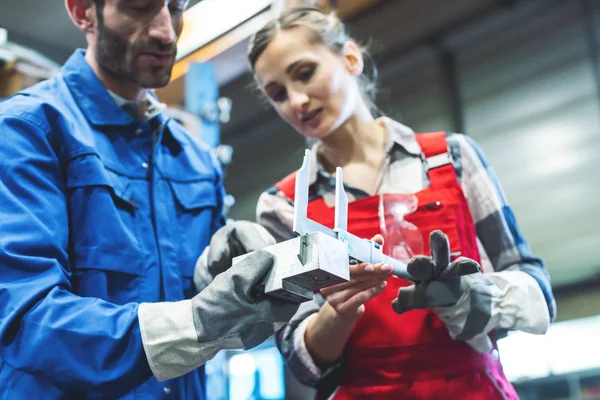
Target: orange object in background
[[11, 81]]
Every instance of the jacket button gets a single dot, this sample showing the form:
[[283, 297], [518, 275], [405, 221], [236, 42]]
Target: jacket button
[[145, 165], [167, 390]]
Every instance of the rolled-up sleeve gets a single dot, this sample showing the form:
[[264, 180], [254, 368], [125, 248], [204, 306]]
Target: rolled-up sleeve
[[496, 226], [276, 213], [45, 329]]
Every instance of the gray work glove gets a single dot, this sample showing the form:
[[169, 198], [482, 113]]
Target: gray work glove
[[181, 336], [439, 282], [471, 304], [230, 241], [233, 309]]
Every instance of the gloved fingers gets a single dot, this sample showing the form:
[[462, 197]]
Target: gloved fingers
[[251, 270], [268, 312], [460, 267], [218, 257], [427, 295], [279, 310], [442, 293], [234, 240], [421, 268], [409, 298], [248, 236], [440, 251]]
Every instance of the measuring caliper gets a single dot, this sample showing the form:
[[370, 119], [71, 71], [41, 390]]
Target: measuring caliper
[[319, 257]]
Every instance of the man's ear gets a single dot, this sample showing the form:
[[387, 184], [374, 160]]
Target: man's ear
[[353, 58], [82, 13]]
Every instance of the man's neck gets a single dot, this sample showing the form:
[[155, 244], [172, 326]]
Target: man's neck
[[127, 90]]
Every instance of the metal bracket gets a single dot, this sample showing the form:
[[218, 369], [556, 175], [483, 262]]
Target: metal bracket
[[319, 256], [359, 249], [304, 265]]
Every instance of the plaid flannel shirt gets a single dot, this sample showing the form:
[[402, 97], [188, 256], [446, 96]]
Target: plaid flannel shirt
[[501, 246]]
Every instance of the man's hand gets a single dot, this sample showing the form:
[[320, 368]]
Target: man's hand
[[227, 307], [232, 240], [180, 336]]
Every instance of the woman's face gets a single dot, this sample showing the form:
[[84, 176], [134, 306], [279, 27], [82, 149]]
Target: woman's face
[[310, 86]]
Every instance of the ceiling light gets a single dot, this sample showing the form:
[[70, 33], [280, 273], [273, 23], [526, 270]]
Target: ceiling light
[[210, 19]]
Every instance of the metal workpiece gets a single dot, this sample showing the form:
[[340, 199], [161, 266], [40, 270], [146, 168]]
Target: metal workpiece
[[320, 256], [359, 249], [304, 265], [324, 262]]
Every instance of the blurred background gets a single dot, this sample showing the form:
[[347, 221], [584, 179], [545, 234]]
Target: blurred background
[[522, 77]]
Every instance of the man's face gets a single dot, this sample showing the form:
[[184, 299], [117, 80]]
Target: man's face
[[136, 40]]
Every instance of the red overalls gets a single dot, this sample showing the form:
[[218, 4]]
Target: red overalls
[[412, 356]]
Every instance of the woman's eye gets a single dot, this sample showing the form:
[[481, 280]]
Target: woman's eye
[[278, 96], [306, 73]]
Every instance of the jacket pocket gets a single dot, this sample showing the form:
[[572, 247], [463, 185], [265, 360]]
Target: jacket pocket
[[196, 210], [104, 239]]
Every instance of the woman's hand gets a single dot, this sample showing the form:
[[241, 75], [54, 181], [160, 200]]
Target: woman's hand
[[327, 334], [366, 281]]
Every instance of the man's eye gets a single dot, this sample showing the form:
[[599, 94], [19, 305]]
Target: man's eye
[[177, 6], [140, 7]]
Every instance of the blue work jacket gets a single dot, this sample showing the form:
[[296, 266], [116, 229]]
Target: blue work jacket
[[95, 219]]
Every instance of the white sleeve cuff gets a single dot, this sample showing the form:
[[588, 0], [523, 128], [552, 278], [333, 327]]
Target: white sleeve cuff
[[169, 338], [517, 303], [300, 348], [171, 341], [522, 306]]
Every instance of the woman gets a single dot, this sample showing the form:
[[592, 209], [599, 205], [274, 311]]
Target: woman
[[423, 346]]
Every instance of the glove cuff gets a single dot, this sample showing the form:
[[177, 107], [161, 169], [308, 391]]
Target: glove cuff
[[175, 342], [169, 338], [510, 300]]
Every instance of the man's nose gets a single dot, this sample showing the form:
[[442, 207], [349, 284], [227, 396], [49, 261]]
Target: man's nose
[[162, 27]]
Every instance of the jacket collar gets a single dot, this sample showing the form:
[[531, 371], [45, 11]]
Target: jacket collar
[[91, 96]]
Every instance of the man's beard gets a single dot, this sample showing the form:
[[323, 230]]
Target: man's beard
[[117, 59]]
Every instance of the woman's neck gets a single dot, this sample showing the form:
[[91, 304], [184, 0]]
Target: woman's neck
[[358, 140]]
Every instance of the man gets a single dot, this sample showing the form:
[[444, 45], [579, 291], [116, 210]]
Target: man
[[105, 206]]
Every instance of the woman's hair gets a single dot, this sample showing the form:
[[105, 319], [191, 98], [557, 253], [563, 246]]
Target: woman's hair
[[324, 29]]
